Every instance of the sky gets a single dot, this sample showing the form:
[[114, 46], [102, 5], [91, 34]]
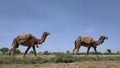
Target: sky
[[64, 19]]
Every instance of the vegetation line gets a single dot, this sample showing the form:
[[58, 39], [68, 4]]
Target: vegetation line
[[57, 58]]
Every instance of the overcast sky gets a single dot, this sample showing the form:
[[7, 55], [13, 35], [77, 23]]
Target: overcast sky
[[64, 19]]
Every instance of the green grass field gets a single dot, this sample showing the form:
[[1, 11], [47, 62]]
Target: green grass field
[[57, 58], [60, 61]]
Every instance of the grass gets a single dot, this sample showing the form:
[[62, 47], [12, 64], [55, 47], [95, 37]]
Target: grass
[[57, 58], [18, 60]]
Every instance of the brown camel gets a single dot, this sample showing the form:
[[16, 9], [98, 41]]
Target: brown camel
[[30, 42], [88, 41]]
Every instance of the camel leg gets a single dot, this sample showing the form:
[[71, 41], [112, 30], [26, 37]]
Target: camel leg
[[78, 50], [10, 51], [34, 50], [13, 49], [26, 51], [95, 50], [88, 50], [74, 50]]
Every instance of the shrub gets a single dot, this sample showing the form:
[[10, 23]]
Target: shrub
[[66, 58], [4, 50], [45, 52]]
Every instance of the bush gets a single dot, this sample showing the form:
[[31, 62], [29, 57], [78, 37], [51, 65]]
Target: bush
[[45, 52], [4, 50], [66, 58]]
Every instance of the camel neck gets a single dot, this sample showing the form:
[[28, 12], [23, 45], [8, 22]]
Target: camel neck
[[100, 41], [43, 38]]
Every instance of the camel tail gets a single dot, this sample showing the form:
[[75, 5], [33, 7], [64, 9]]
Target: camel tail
[[14, 43], [75, 44], [76, 41], [12, 47]]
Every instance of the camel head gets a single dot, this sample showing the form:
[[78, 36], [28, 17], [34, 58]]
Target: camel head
[[47, 33], [102, 38]]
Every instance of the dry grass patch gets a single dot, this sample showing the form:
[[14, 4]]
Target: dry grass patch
[[83, 64]]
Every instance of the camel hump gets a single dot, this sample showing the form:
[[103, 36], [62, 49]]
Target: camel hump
[[23, 36], [86, 39]]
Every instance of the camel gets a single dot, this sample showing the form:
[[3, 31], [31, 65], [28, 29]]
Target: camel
[[88, 42], [31, 41]]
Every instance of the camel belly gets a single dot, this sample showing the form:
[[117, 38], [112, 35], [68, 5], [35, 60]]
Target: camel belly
[[86, 44]]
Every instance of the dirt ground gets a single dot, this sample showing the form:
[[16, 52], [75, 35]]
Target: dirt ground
[[83, 64]]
